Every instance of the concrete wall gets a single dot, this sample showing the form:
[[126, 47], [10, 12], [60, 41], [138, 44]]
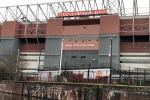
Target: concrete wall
[[9, 43], [104, 49], [74, 91], [52, 52]]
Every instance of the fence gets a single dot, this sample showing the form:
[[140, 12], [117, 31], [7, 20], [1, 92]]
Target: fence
[[91, 74], [76, 76], [137, 76]]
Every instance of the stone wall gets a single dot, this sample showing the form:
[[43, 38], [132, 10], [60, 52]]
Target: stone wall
[[15, 88], [63, 91]]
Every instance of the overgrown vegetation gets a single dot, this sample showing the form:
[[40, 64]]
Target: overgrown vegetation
[[11, 65]]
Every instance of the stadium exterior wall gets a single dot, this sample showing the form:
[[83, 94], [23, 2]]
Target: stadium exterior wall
[[79, 35]]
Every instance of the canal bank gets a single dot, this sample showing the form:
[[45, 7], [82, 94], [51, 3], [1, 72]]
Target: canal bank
[[76, 91]]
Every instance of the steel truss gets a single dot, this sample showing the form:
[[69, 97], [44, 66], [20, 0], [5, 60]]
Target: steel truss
[[119, 7], [40, 13]]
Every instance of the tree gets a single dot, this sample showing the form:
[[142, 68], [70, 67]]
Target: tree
[[13, 63], [2, 72]]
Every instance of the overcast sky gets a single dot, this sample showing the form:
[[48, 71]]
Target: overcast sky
[[24, 2], [141, 3]]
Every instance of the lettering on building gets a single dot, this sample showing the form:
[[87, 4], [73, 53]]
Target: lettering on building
[[77, 13], [79, 45]]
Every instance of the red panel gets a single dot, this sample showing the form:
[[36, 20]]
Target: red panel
[[138, 47], [141, 47], [81, 45], [93, 29], [109, 24], [33, 47], [54, 27], [77, 13], [68, 30], [141, 26], [0, 30], [31, 31], [126, 27], [80, 30], [93, 45], [17, 31], [126, 22], [126, 47], [9, 28]]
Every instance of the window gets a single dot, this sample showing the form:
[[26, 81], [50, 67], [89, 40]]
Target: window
[[141, 38], [129, 29], [23, 54], [82, 56], [144, 29], [122, 29], [73, 56], [126, 38], [145, 47], [138, 29]]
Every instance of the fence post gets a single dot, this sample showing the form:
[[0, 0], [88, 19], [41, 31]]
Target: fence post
[[144, 76], [97, 93], [137, 76], [88, 73], [40, 76], [80, 93], [129, 76], [85, 94], [65, 67], [120, 75]]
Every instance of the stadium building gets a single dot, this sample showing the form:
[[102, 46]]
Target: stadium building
[[76, 35]]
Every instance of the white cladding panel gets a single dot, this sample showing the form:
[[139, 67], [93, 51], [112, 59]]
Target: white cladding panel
[[125, 66], [34, 64], [135, 60], [33, 57], [33, 60]]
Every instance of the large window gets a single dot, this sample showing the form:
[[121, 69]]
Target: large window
[[81, 22], [136, 38]]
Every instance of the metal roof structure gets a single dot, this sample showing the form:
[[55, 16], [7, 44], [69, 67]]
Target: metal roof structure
[[40, 13]]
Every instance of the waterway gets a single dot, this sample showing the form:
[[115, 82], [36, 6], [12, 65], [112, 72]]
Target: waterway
[[6, 96]]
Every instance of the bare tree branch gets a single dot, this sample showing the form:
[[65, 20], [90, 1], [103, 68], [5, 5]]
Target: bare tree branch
[[13, 63]]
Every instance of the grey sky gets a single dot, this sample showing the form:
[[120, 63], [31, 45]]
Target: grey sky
[[128, 3], [24, 2]]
